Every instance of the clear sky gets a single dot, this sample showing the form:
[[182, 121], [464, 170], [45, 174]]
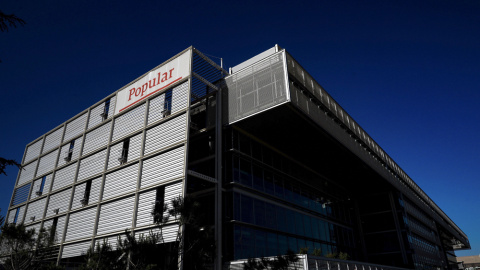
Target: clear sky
[[407, 71]]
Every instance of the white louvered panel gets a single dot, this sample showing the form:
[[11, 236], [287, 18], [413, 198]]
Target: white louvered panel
[[33, 151], [96, 138], [81, 224], [64, 151], [35, 188], [35, 227], [155, 109], [166, 134], [172, 192], [64, 176], [180, 97], [92, 165], [47, 163], [120, 182], [77, 147], [74, 250], [95, 117], [168, 233], [47, 224], [27, 173], [35, 210], [95, 190], [58, 230], [78, 195], [146, 202], [48, 182], [115, 153], [60, 201], [129, 122], [135, 147], [163, 167], [75, 127], [116, 216], [20, 215], [52, 140], [111, 110], [11, 215]]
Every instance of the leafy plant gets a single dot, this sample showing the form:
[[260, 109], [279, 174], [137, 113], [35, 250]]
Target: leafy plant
[[281, 262], [26, 249]]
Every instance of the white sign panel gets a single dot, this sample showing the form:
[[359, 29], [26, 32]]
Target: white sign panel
[[156, 80]]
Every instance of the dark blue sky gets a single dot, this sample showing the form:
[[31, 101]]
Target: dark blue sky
[[407, 71]]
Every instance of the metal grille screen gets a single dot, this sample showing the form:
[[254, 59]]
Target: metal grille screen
[[256, 88]]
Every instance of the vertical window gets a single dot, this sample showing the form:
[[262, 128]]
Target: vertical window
[[15, 219], [69, 153], [123, 158], [53, 229], [42, 185], [104, 114], [86, 194], [159, 205], [167, 105]]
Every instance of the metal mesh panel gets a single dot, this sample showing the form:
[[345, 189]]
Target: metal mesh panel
[[256, 88]]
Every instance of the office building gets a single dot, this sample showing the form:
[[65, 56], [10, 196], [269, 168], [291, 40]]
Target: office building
[[275, 161]]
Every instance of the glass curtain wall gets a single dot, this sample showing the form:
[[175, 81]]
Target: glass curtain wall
[[274, 211]]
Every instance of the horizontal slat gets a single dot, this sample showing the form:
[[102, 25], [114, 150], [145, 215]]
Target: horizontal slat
[[35, 210], [155, 108], [116, 216], [164, 167], [115, 153], [33, 151], [53, 140], [75, 127], [172, 192], [96, 138], [120, 182], [64, 151], [74, 250], [81, 224], [146, 203], [47, 163], [78, 195], [180, 96], [168, 233], [27, 173], [92, 165], [64, 176], [112, 241], [129, 122], [166, 134], [35, 227], [60, 201], [135, 147]]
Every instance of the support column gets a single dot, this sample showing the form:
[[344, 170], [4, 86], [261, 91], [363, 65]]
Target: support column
[[399, 228], [218, 177]]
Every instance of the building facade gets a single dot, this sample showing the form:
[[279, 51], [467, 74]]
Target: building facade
[[276, 163]]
